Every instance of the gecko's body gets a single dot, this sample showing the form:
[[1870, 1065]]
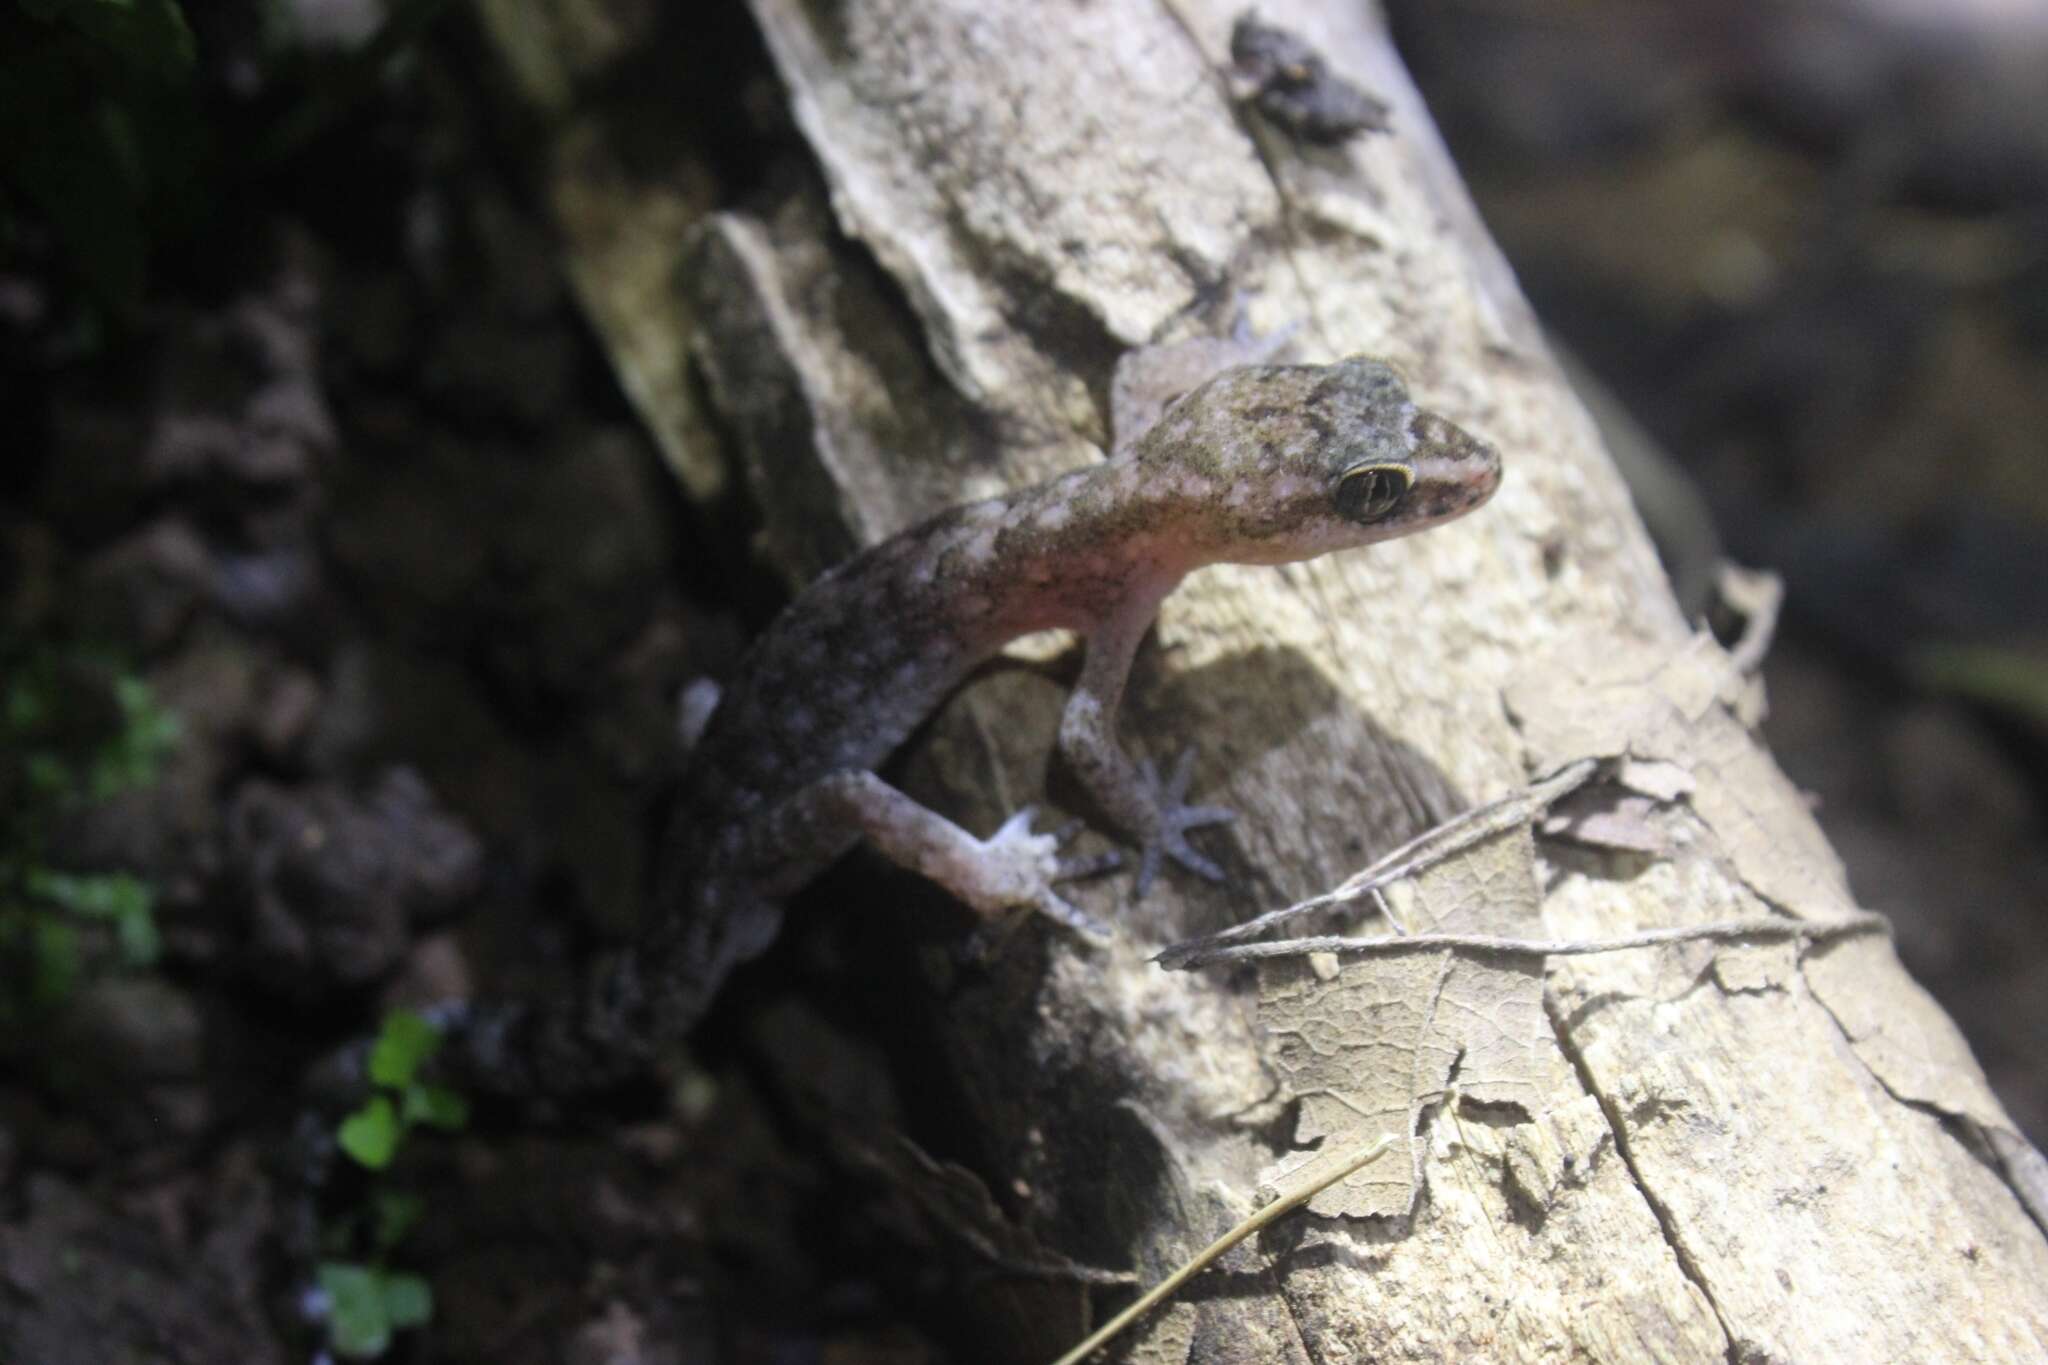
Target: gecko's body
[[1264, 464]]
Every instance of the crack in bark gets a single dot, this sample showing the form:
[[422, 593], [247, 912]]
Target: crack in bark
[[1968, 1132], [1619, 1132]]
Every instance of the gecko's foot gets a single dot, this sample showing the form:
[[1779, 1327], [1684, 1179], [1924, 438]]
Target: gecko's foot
[[1175, 819], [1027, 865]]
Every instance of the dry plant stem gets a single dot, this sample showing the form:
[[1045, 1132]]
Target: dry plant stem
[[1760, 597], [1208, 1255], [1189, 956], [1424, 850]]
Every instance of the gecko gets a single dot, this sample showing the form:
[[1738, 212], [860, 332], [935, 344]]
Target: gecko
[[1260, 464]]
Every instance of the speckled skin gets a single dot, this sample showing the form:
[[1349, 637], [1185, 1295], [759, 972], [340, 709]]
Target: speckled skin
[[1250, 467]]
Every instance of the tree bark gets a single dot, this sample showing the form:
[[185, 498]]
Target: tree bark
[[1764, 1152]]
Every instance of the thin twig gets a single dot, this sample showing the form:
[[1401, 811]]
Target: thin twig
[[1208, 1255], [1187, 956], [1427, 849], [1759, 596]]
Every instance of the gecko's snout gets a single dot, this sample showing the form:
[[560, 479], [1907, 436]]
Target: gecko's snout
[[1455, 470]]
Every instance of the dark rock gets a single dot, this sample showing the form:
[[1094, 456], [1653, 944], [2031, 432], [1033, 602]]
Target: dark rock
[[334, 884], [435, 971], [163, 830], [580, 550], [287, 704], [377, 321], [240, 399], [485, 371], [443, 861], [144, 589], [30, 557], [133, 1028], [267, 588], [83, 1285]]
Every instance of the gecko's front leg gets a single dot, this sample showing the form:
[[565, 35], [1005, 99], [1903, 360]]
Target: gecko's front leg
[[1152, 812], [1011, 869]]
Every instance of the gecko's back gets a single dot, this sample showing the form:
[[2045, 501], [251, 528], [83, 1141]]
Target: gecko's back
[[837, 683], [841, 678]]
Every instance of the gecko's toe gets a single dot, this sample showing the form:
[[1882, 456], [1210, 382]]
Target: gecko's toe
[[1088, 865], [1064, 912], [1178, 849], [1172, 843], [1194, 817], [1018, 826], [982, 947], [1081, 867], [1148, 870]]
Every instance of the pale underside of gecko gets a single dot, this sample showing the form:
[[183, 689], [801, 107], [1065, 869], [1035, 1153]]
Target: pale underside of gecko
[[1262, 464]]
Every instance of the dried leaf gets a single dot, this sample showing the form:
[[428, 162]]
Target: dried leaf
[[1365, 1049]]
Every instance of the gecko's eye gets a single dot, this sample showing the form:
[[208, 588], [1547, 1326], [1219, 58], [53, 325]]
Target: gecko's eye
[[1368, 492]]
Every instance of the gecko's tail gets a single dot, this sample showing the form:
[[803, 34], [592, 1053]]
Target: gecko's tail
[[605, 1034], [630, 1007]]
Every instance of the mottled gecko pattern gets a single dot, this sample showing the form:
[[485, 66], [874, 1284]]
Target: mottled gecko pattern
[[1265, 464]]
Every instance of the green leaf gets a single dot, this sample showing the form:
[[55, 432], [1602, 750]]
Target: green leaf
[[87, 896], [47, 774], [358, 1320], [136, 929], [126, 897], [95, 895], [149, 36], [398, 1213], [71, 169], [26, 706], [103, 133], [56, 958], [408, 1301], [370, 1135], [436, 1106], [366, 1304], [154, 727], [134, 756], [116, 896], [403, 1044]]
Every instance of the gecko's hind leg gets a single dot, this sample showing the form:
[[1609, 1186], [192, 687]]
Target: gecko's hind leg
[[1010, 869]]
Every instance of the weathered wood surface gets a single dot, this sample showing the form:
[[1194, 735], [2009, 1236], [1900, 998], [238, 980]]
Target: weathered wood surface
[[1756, 1153]]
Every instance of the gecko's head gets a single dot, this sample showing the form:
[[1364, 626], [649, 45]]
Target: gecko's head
[[1301, 460]]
